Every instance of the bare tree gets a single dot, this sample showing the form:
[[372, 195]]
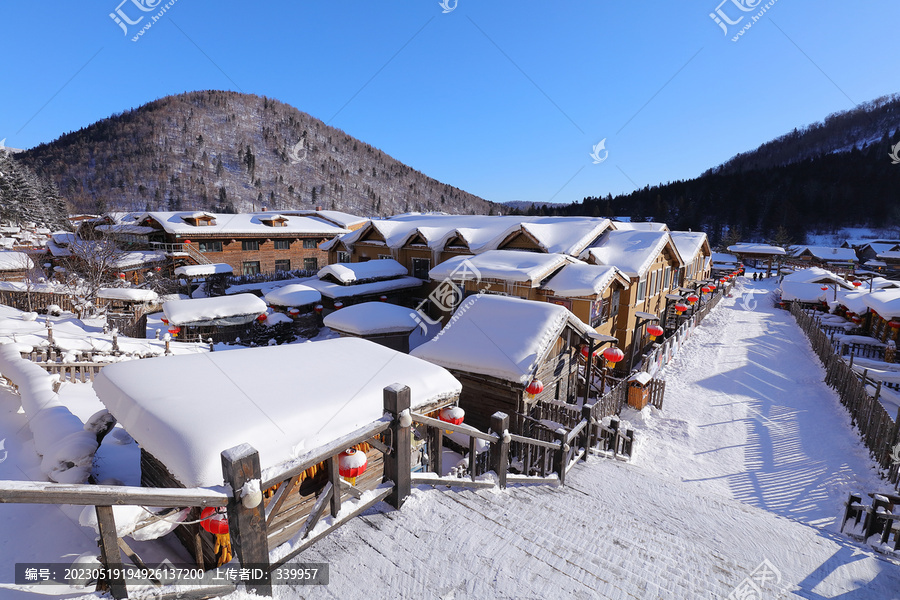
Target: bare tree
[[93, 263]]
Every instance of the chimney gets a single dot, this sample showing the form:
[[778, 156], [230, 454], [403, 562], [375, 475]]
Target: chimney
[[264, 209], [318, 208]]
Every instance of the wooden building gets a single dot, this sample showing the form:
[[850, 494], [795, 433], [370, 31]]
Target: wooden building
[[354, 283], [496, 346], [696, 256], [223, 318], [15, 266], [760, 254], [386, 324]]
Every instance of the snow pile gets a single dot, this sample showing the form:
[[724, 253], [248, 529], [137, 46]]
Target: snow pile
[[372, 318], [15, 261], [130, 294], [276, 317], [885, 302], [688, 244], [499, 336], [335, 291], [204, 270], [278, 399], [236, 310], [506, 265], [347, 273], [295, 294], [60, 438]]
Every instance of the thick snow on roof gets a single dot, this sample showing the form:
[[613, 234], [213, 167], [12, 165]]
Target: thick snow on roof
[[688, 243], [336, 290], [295, 294], [337, 217], [138, 258], [722, 258], [132, 294], [890, 255], [631, 251], [853, 301], [640, 226], [173, 222], [507, 265], [204, 270], [879, 247], [567, 235], [371, 318], [499, 336], [199, 311], [282, 400], [15, 261], [818, 275], [383, 268], [804, 292], [885, 302], [757, 249], [829, 253], [580, 279]]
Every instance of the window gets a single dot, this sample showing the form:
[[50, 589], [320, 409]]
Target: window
[[250, 267], [641, 289], [614, 304], [667, 279], [310, 244], [210, 246], [420, 267], [311, 264], [343, 257], [654, 277], [385, 257], [283, 265], [282, 244], [250, 245]]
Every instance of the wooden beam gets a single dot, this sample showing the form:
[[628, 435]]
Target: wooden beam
[[247, 526], [334, 478], [500, 448], [420, 479], [110, 556], [280, 496], [317, 510], [29, 492], [463, 428]]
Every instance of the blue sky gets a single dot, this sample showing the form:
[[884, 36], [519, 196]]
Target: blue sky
[[504, 100]]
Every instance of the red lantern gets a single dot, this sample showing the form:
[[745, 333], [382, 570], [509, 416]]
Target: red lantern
[[338, 305], [262, 317], [681, 308], [535, 387], [452, 414], [294, 312], [351, 464], [164, 320], [383, 298], [214, 521], [187, 241], [158, 269], [174, 330], [613, 356], [319, 308], [824, 288], [692, 299], [895, 325], [857, 283], [655, 331], [121, 275]]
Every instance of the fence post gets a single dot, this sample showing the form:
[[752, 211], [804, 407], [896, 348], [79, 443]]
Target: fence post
[[590, 430], [500, 448], [249, 539], [110, 555], [397, 464], [562, 455]]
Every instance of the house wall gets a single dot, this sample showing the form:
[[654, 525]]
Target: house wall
[[233, 253]]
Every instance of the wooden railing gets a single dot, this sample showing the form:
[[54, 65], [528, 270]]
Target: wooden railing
[[879, 432]]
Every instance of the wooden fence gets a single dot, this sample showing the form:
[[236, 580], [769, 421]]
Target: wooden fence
[[36, 301], [879, 432]]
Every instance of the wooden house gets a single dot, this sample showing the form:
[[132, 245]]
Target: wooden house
[[759, 254], [651, 262], [354, 283], [826, 257], [696, 256], [284, 401], [386, 324], [496, 346], [15, 266], [223, 318]]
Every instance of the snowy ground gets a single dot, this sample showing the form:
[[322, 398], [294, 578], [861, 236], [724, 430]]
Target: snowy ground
[[750, 461]]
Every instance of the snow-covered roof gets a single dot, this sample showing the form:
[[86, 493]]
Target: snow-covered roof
[[566, 235], [633, 252], [371, 270], [506, 265], [223, 310], [244, 223], [854, 301], [722, 258], [879, 247], [688, 243], [829, 254], [499, 336], [204, 270], [885, 302], [15, 261], [764, 249], [126, 228], [295, 294], [131, 294], [335, 290], [804, 292], [373, 318], [579, 280], [818, 275], [137, 258], [889, 255], [640, 226], [341, 219], [200, 405]]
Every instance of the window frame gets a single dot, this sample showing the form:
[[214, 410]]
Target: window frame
[[204, 246], [306, 262], [247, 245], [310, 244], [282, 244], [282, 261], [250, 263]]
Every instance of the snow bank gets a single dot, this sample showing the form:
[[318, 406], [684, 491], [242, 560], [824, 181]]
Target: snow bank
[[60, 438], [295, 294], [204, 270], [238, 309], [132, 294], [370, 318], [499, 336], [347, 273], [185, 410]]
